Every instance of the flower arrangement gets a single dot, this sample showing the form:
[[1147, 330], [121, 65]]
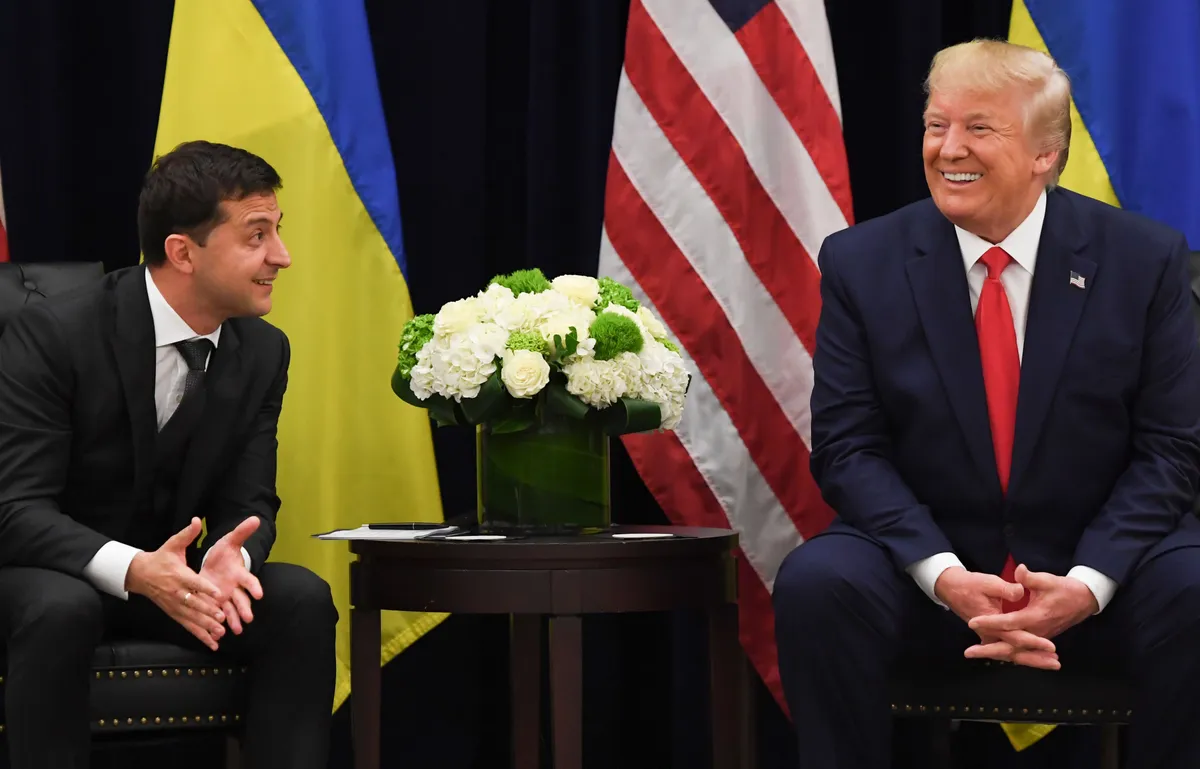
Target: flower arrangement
[[527, 347]]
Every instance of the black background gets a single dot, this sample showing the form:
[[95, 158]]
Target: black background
[[499, 115]]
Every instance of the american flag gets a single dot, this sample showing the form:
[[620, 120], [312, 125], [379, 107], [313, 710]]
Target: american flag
[[3, 228], [727, 172]]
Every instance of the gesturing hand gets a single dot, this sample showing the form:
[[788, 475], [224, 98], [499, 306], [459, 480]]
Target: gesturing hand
[[971, 595], [1055, 604], [225, 568], [190, 599]]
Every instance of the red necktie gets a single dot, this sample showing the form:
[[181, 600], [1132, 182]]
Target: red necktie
[[1001, 376]]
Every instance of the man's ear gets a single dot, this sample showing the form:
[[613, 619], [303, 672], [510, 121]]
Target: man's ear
[[179, 249], [1044, 162]]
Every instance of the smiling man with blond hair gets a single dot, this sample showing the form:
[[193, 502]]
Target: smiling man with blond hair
[[1006, 422]]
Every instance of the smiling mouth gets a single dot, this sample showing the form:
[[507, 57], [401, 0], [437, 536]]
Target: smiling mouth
[[961, 178], [267, 282]]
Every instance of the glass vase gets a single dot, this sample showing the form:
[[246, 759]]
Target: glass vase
[[550, 478]]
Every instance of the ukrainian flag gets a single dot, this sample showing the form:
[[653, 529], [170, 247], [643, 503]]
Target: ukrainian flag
[[1135, 116], [294, 82]]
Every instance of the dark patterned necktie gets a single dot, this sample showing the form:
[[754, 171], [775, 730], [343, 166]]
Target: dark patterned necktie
[[195, 352]]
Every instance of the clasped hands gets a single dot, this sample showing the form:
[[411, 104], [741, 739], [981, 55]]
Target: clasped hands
[[1023, 637], [202, 602]]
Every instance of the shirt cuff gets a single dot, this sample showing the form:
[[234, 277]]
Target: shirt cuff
[[1101, 586], [926, 571], [245, 557], [109, 566]]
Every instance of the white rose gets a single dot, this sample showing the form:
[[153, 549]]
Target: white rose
[[582, 289], [455, 317], [524, 373], [652, 324]]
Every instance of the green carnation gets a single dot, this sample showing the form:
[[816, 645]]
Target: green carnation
[[612, 292], [615, 334], [527, 340], [523, 282], [416, 333]]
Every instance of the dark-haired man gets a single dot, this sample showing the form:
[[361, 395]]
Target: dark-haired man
[[129, 411]]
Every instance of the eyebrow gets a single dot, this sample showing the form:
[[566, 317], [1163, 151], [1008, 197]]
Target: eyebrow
[[264, 219]]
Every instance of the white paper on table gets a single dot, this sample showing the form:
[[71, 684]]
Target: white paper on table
[[385, 535]]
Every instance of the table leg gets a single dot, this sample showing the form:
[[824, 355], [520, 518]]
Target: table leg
[[566, 691], [525, 671], [365, 686], [728, 691]]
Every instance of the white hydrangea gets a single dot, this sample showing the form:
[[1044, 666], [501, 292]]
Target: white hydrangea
[[561, 322], [493, 301], [598, 383], [456, 365]]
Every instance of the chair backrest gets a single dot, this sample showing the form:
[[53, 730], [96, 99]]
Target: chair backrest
[[22, 283], [1194, 265]]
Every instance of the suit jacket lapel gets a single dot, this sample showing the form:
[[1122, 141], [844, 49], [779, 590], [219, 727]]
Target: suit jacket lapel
[[133, 348], [938, 281], [222, 384], [1055, 305]]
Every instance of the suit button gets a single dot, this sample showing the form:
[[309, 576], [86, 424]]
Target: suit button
[[1009, 531], [30, 285]]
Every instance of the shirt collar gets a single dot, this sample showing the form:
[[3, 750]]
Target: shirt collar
[[1021, 244], [169, 328]]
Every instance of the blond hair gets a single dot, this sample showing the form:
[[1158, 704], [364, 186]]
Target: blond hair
[[991, 66]]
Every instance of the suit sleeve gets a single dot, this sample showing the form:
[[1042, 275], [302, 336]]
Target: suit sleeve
[[36, 385], [1159, 485], [851, 450], [248, 489]]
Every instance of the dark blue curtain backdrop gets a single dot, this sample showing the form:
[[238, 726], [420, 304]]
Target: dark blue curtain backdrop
[[500, 116]]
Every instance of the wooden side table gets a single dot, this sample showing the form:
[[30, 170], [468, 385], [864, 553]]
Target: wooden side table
[[562, 578]]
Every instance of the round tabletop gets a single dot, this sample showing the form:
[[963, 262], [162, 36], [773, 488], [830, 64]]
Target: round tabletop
[[625, 568]]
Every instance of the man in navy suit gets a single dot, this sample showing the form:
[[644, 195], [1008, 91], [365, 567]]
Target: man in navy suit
[[1006, 419]]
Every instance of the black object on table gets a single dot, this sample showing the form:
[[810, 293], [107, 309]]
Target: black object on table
[[562, 578]]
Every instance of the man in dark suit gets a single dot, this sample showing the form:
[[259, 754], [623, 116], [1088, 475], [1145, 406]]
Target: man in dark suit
[[1050, 528], [129, 411]]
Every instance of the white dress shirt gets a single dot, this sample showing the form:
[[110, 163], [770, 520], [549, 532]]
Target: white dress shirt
[[1017, 278], [108, 568]]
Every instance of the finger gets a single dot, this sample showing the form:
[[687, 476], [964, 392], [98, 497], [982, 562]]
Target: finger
[[1040, 660], [204, 604], [997, 650], [242, 532], [242, 603], [202, 585], [1023, 639], [998, 623], [204, 621], [199, 632], [235, 622], [251, 585], [1002, 589], [184, 537], [1036, 580]]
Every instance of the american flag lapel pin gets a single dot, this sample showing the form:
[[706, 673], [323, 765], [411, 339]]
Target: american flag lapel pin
[[1078, 280]]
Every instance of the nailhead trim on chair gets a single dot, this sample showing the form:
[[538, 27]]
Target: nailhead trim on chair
[[168, 721], [980, 710]]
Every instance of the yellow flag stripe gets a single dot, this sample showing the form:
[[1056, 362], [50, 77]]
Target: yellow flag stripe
[[1085, 172], [350, 452]]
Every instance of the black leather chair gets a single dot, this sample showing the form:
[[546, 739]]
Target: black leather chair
[[140, 689], [1001, 692]]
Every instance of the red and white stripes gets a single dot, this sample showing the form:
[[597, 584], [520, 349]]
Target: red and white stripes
[[727, 172]]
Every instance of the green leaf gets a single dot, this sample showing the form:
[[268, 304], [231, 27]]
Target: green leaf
[[562, 402], [492, 401], [631, 415]]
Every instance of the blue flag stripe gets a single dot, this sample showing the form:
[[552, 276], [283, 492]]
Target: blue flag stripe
[[328, 43]]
